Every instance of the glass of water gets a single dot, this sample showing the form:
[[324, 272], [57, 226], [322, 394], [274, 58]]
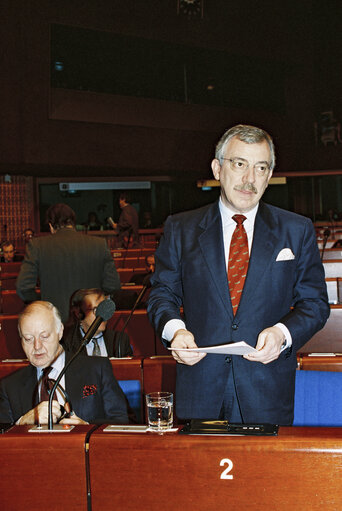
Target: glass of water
[[160, 410]]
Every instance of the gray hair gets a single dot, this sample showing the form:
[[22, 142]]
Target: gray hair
[[35, 306], [247, 134]]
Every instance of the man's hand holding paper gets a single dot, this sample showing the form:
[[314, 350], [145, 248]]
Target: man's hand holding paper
[[183, 339]]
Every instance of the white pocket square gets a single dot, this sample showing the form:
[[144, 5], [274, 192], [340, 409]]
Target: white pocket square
[[285, 255]]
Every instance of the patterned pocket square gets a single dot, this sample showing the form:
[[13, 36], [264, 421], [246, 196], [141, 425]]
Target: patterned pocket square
[[285, 255], [89, 390]]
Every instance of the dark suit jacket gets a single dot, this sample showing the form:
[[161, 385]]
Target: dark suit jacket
[[94, 393], [129, 224], [191, 271], [117, 345], [64, 262]]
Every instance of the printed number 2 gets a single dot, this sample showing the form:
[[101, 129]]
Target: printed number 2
[[225, 474]]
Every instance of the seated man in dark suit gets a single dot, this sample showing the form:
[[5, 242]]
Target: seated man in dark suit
[[106, 342], [88, 390]]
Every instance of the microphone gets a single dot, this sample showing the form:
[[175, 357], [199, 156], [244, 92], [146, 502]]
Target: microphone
[[104, 311], [326, 233]]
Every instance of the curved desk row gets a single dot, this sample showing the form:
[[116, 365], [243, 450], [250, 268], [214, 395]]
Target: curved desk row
[[299, 469]]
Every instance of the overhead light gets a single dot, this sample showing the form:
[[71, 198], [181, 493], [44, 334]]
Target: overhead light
[[106, 185]]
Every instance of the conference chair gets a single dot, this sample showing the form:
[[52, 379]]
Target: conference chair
[[318, 398], [133, 392]]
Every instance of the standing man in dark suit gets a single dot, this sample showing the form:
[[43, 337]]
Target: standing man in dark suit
[[88, 392], [128, 223], [283, 301], [64, 262]]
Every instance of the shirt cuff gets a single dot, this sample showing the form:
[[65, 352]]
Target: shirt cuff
[[288, 338], [171, 328]]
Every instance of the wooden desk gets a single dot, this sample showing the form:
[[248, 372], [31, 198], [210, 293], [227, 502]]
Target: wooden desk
[[332, 253], [332, 268], [320, 362], [329, 339], [130, 262], [126, 273], [43, 470], [299, 470], [132, 252]]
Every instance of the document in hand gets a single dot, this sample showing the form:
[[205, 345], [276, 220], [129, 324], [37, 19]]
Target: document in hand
[[233, 348]]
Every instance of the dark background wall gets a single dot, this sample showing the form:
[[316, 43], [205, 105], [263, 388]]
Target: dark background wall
[[151, 102], [292, 47]]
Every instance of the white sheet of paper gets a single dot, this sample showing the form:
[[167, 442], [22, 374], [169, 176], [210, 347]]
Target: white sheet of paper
[[234, 348]]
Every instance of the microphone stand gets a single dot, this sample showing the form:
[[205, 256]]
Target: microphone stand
[[104, 311], [87, 337], [137, 301]]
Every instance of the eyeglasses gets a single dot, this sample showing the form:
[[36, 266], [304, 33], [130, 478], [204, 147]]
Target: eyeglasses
[[93, 310], [240, 165]]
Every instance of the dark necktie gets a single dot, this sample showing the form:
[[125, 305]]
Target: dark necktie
[[96, 349], [238, 261], [46, 385]]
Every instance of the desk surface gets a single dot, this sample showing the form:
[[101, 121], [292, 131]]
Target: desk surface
[[300, 469]]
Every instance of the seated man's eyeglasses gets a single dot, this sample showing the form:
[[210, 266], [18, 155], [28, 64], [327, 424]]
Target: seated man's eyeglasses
[[93, 310], [240, 165]]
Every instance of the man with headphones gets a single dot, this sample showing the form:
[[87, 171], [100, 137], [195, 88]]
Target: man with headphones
[[105, 342]]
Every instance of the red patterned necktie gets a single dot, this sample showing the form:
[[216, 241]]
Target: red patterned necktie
[[238, 261]]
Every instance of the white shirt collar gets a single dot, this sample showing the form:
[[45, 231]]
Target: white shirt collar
[[227, 214], [97, 336], [57, 366]]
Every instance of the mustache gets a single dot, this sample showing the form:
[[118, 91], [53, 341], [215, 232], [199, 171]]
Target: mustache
[[247, 187]]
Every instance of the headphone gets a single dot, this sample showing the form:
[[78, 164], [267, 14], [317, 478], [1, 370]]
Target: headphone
[[77, 301]]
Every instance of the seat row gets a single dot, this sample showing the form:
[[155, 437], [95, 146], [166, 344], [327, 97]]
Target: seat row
[[126, 275], [146, 343], [142, 336]]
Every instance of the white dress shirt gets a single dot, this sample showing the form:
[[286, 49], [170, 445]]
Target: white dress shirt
[[100, 341]]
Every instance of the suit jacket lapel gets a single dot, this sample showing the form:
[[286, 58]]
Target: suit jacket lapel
[[211, 243], [71, 382], [262, 251], [29, 389]]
